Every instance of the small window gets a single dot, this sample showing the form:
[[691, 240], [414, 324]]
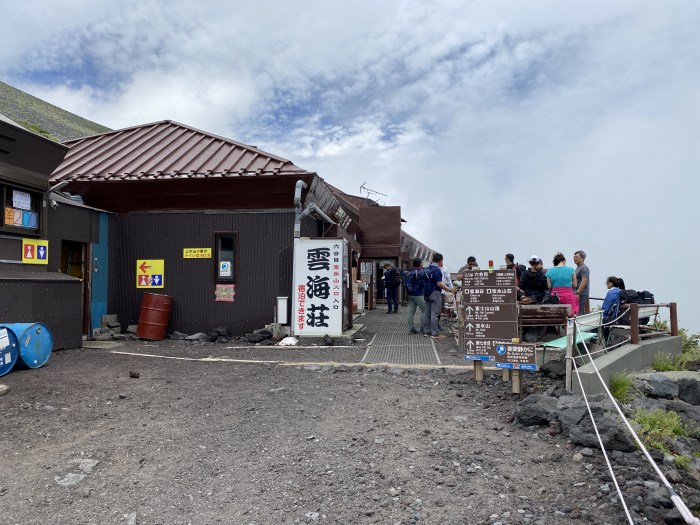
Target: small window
[[21, 209], [226, 257]]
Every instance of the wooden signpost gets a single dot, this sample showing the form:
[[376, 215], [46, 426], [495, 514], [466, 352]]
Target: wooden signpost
[[490, 330]]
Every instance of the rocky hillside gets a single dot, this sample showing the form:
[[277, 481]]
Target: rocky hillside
[[44, 118]]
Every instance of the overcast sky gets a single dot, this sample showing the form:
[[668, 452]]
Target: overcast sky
[[525, 127]]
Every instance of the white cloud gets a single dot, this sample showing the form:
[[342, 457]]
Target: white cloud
[[497, 127]]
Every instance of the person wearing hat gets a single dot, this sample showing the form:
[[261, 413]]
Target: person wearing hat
[[533, 282]]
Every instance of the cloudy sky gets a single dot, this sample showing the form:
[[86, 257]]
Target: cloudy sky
[[498, 126]]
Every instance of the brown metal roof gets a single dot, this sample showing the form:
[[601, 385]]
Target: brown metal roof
[[165, 150]]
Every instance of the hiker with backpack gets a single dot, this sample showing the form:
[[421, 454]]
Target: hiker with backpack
[[433, 301], [392, 282], [414, 281]]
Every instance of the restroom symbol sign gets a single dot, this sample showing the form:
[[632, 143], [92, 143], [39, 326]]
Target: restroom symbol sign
[[150, 273], [35, 251]]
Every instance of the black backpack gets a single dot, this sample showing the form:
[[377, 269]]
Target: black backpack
[[395, 279], [631, 296], [645, 297]]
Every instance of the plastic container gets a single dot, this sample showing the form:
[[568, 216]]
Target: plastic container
[[154, 316], [9, 350], [34, 342]]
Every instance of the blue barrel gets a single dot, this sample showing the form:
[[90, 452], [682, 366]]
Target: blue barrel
[[9, 350], [35, 342]]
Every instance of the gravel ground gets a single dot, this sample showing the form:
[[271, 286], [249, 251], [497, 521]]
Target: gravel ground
[[225, 441]]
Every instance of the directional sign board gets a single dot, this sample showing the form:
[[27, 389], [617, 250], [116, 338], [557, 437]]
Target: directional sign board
[[490, 312], [517, 356], [491, 320], [150, 273]]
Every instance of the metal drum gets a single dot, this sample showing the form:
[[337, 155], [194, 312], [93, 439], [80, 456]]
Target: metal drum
[[35, 343], [9, 350], [154, 316]]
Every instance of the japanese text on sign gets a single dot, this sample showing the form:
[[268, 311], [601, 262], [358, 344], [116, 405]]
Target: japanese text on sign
[[196, 253], [490, 318], [318, 287], [516, 356]]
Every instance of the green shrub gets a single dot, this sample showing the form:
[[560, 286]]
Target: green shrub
[[657, 428], [39, 130], [622, 387], [682, 462], [690, 347], [665, 362]]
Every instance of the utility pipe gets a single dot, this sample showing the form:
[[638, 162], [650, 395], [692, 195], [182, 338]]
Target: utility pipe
[[300, 185]]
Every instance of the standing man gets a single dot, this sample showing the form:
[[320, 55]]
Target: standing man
[[391, 285], [415, 284], [433, 301], [582, 277]]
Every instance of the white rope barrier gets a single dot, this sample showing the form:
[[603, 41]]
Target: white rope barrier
[[685, 513], [605, 453]]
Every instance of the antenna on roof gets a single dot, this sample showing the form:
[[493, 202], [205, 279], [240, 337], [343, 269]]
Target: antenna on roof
[[369, 191]]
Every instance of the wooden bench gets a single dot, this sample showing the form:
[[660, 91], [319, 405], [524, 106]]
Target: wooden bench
[[543, 314]]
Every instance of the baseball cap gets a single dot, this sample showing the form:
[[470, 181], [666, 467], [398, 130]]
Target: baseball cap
[[534, 258]]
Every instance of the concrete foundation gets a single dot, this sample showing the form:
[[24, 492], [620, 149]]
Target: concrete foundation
[[627, 359]]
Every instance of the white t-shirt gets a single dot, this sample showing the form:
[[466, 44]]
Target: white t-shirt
[[446, 278]]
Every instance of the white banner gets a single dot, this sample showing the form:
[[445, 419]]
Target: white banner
[[318, 287]]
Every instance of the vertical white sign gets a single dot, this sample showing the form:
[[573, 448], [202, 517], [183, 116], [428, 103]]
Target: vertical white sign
[[318, 287]]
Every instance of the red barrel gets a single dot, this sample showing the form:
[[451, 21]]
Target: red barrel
[[154, 316]]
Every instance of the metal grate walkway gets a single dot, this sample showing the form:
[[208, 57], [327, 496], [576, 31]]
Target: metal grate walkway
[[393, 343]]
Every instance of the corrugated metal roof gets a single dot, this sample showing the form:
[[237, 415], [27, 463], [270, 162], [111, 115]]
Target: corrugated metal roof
[[165, 150]]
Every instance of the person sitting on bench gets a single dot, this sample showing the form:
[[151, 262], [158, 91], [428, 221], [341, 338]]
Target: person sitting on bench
[[611, 303], [533, 282]]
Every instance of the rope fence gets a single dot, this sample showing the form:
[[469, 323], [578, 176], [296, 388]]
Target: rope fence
[[680, 505]]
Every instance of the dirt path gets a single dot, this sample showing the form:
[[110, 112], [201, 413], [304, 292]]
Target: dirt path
[[205, 442]]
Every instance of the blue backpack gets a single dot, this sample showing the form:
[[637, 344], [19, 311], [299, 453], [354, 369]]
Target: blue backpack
[[413, 280]]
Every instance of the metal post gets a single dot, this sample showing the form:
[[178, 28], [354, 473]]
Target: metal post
[[634, 323], [570, 333]]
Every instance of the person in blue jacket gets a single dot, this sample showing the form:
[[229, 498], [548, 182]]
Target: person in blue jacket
[[611, 303]]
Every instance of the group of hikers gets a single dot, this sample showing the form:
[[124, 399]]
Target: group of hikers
[[425, 291], [560, 284], [426, 287]]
